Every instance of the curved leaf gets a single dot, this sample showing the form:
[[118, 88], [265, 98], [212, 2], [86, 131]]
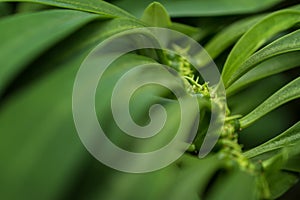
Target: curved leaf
[[44, 140], [288, 137], [287, 93], [26, 7], [267, 68], [32, 34], [225, 38], [195, 8], [255, 38], [287, 43], [94, 6]]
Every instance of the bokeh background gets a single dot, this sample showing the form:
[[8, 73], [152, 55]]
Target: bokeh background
[[41, 154]]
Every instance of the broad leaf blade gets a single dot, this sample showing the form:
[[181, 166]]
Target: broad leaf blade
[[94, 6], [30, 155], [171, 182], [287, 93], [45, 108], [242, 183], [194, 177], [33, 34]]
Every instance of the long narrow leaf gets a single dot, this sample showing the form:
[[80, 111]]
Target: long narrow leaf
[[256, 37], [288, 137], [94, 6], [287, 93], [267, 68], [195, 8], [287, 43], [225, 38]]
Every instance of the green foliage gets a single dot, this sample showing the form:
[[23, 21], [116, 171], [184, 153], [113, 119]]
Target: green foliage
[[56, 25], [253, 39], [93, 6], [227, 37], [289, 92], [44, 42], [284, 44], [271, 66], [194, 8], [156, 15], [289, 137]]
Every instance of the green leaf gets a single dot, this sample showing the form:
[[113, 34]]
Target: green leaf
[[279, 169], [279, 182], [267, 68], [53, 138], [156, 15], [293, 164], [280, 166], [226, 37], [33, 34], [235, 185], [280, 153], [287, 43], [277, 175], [288, 137], [292, 154], [30, 7], [45, 141], [255, 38], [30, 155], [195, 8], [134, 186], [194, 177], [139, 107], [287, 93], [94, 6], [171, 182]]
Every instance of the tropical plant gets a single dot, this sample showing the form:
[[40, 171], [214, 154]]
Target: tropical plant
[[255, 45]]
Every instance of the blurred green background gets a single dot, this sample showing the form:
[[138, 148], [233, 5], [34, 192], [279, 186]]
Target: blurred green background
[[41, 154]]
